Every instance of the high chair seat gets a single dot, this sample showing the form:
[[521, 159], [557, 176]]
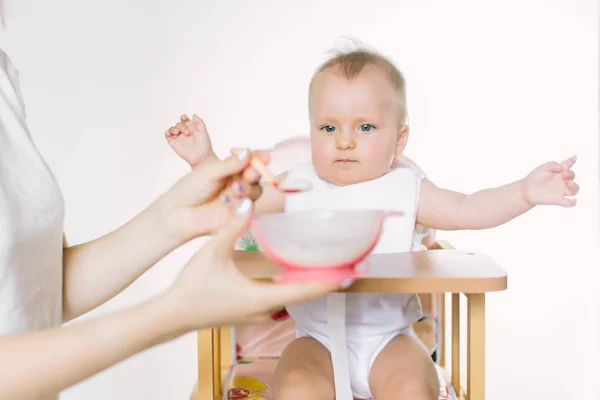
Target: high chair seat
[[441, 270], [252, 380]]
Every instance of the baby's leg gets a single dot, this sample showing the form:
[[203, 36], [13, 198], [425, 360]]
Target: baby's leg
[[404, 370], [304, 372], [426, 330]]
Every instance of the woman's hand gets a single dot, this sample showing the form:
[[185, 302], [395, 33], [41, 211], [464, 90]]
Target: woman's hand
[[197, 204], [211, 291]]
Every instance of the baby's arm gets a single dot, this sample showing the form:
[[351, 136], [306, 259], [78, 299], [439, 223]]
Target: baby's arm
[[448, 210], [191, 141]]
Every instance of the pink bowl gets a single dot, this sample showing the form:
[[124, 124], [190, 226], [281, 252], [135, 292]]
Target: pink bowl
[[319, 239]]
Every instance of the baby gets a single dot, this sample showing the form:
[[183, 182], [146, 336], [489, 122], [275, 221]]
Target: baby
[[358, 112]]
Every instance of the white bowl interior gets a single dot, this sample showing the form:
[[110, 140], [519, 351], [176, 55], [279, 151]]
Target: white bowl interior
[[318, 238]]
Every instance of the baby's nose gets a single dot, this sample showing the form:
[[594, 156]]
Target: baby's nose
[[345, 141]]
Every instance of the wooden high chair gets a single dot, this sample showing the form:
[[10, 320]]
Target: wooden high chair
[[439, 270]]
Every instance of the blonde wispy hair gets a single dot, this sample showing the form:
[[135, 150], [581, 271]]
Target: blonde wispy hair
[[354, 57]]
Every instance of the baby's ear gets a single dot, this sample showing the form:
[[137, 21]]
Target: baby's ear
[[402, 140]]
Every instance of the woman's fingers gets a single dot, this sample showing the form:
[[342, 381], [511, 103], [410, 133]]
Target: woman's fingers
[[231, 166], [234, 176], [250, 175], [244, 179], [255, 192], [263, 155], [242, 188], [223, 242]]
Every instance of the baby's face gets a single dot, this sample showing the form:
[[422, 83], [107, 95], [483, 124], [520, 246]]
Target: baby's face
[[355, 126]]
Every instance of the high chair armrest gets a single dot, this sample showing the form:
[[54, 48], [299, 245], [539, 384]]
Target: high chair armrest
[[428, 271]]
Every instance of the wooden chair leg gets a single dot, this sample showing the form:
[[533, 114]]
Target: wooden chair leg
[[227, 354], [226, 350], [442, 324], [476, 347], [209, 382], [456, 342], [217, 360]]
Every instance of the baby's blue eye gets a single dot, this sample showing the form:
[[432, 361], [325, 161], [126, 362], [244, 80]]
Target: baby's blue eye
[[366, 127], [329, 128]]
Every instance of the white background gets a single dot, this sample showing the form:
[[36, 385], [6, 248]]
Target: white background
[[495, 88]]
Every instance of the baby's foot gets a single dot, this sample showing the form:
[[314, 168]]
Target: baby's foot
[[190, 140]]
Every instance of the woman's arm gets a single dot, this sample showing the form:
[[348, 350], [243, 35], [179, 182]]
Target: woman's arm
[[210, 291], [41, 364], [96, 271]]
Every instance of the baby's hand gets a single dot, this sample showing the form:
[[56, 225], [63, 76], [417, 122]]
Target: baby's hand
[[550, 184], [190, 140]]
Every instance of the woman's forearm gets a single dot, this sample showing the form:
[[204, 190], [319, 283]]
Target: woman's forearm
[[98, 270], [41, 364]]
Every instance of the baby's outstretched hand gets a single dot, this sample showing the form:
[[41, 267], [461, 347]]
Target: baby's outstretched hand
[[551, 184], [190, 140]]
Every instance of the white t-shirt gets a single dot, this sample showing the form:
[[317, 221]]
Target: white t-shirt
[[31, 221]]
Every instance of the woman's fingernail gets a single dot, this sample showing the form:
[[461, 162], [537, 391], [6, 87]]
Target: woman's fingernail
[[253, 175], [225, 199], [238, 187], [242, 154], [244, 206], [347, 283]]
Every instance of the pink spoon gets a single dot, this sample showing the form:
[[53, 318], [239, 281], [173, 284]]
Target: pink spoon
[[288, 186]]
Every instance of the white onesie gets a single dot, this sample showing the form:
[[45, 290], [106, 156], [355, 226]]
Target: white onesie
[[372, 319]]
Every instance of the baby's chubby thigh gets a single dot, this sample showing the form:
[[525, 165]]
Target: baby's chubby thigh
[[403, 369], [304, 371]]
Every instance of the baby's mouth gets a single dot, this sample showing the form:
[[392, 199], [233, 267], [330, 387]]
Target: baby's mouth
[[345, 161]]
